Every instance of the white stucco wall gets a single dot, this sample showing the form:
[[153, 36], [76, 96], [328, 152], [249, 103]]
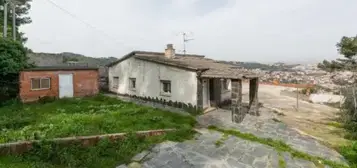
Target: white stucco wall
[[148, 76]]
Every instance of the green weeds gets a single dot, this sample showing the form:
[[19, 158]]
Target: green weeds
[[282, 163], [219, 142], [104, 154], [335, 124], [82, 117], [350, 153]]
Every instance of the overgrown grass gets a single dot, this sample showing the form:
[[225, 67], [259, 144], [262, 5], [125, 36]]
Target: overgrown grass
[[335, 124], [219, 142], [280, 146], [350, 153], [104, 154], [348, 119], [282, 163], [83, 116]]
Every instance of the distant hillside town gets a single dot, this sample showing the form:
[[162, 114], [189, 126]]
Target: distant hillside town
[[297, 74]]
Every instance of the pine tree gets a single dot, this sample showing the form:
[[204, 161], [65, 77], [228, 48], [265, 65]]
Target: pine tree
[[348, 48]]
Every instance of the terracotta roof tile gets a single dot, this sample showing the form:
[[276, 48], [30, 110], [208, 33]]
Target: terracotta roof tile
[[209, 67]]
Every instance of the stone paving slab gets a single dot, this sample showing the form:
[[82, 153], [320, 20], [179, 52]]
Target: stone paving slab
[[204, 153], [266, 127], [203, 148]]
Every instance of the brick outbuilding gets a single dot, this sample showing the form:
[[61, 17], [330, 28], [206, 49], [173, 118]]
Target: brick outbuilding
[[58, 82]]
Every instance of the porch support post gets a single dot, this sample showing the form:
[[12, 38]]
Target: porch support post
[[237, 110], [199, 94], [253, 97]]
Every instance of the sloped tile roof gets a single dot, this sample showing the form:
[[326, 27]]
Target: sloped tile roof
[[210, 68]]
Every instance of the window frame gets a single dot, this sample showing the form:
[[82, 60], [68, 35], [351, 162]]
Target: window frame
[[41, 88], [131, 80], [115, 79], [225, 85], [162, 87]]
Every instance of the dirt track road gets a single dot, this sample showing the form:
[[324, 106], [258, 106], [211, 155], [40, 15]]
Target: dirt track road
[[309, 118]]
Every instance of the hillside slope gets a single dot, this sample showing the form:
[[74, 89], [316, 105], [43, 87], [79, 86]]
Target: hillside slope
[[49, 59], [52, 59]]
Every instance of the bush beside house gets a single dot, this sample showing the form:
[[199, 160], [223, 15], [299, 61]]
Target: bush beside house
[[12, 60]]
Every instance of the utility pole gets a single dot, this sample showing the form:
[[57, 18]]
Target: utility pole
[[13, 4], [184, 43], [185, 40], [14, 21], [5, 18], [297, 96]]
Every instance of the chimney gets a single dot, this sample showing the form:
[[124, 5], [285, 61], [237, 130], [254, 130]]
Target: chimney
[[170, 51]]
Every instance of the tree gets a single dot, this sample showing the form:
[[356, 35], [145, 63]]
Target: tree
[[13, 59], [348, 48], [21, 18]]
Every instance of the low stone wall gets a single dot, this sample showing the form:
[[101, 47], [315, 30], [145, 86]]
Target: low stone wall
[[22, 147], [168, 106]]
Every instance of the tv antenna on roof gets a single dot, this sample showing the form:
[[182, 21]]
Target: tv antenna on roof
[[185, 40]]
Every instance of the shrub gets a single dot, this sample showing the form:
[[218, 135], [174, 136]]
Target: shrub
[[350, 154], [13, 59], [10, 102], [349, 114]]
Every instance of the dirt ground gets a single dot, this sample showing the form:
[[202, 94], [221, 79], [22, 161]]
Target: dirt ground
[[311, 119]]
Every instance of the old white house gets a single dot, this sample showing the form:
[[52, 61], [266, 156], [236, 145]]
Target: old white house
[[191, 79]]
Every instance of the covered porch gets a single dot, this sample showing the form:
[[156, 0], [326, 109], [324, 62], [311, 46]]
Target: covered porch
[[227, 91]]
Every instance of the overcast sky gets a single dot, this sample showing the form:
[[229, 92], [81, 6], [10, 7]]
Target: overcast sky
[[239, 30]]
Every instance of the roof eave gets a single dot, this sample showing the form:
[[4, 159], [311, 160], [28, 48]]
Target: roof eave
[[147, 53], [229, 76], [122, 59], [60, 69]]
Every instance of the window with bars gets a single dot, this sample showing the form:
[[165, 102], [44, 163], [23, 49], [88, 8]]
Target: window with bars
[[40, 83], [166, 87], [132, 83]]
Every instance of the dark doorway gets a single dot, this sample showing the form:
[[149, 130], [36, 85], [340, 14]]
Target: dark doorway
[[211, 93]]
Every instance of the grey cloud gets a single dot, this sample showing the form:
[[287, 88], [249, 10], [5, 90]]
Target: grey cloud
[[242, 30]]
